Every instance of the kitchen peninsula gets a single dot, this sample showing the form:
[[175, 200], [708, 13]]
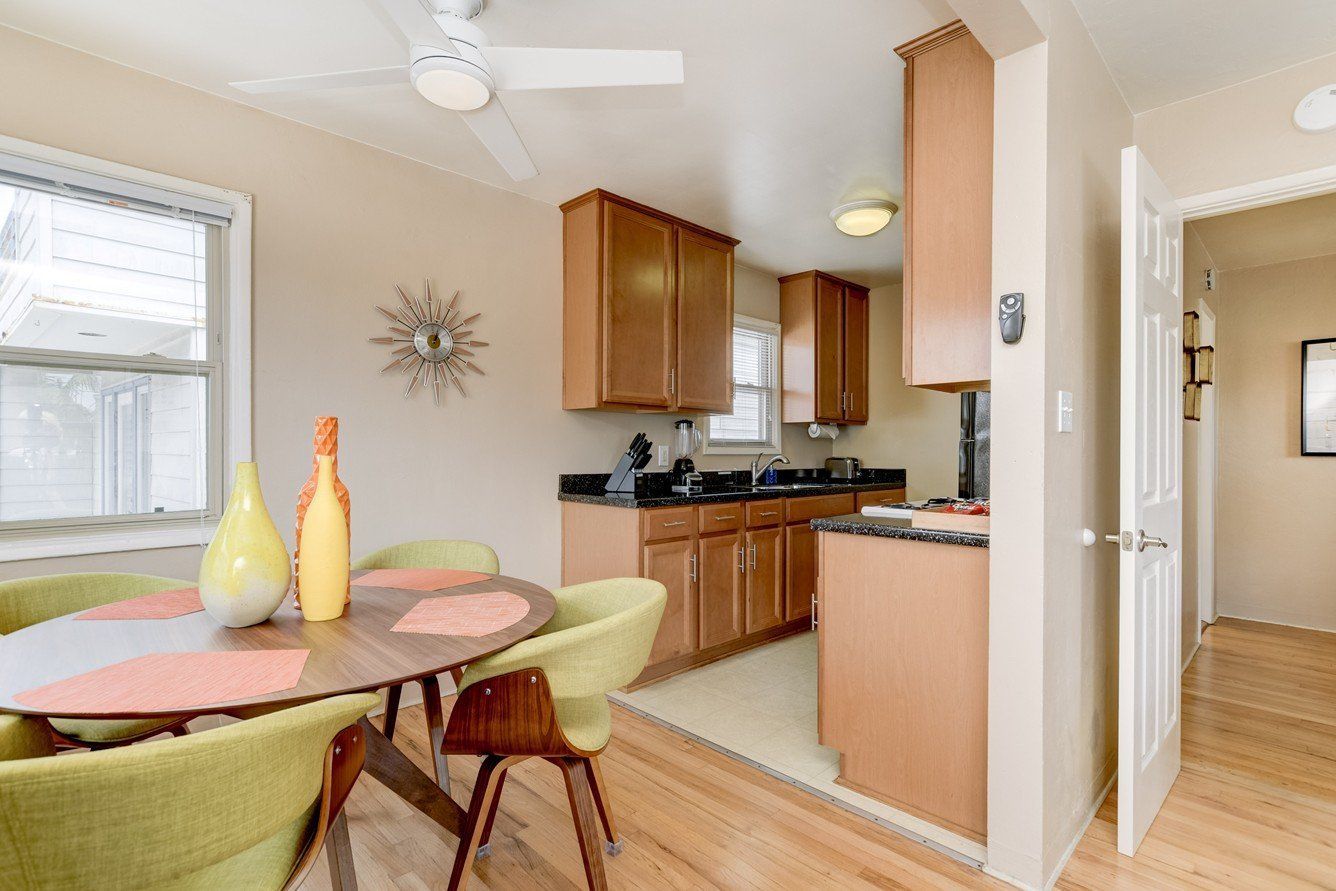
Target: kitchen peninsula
[[902, 620]]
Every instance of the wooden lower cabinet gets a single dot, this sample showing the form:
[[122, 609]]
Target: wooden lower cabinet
[[720, 582], [800, 570], [765, 578], [673, 563]]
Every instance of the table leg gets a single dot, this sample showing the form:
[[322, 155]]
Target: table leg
[[393, 769], [431, 704]]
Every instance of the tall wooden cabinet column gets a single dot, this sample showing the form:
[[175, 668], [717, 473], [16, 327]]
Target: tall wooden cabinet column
[[825, 348], [948, 218], [647, 319]]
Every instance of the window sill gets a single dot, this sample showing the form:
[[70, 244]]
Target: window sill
[[73, 543], [710, 449]]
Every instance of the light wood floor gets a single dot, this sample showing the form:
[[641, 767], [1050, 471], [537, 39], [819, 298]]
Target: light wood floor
[[1255, 806]]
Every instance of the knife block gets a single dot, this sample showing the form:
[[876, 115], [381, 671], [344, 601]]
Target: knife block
[[623, 477]]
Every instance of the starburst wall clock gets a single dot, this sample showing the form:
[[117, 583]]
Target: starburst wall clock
[[431, 343]]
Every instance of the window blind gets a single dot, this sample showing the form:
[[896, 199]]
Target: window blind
[[752, 421], [27, 173]]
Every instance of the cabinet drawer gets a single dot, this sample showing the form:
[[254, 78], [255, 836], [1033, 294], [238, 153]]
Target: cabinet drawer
[[801, 509], [765, 513], [668, 522], [880, 497], [711, 518]]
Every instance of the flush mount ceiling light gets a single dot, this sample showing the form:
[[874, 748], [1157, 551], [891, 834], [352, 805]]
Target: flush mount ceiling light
[[449, 81], [860, 218], [1316, 112]]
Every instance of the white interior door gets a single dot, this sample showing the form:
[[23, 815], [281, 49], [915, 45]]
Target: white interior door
[[1150, 500]]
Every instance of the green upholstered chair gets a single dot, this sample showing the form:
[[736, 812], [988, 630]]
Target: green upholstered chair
[[546, 697], [429, 554], [248, 805], [25, 602], [22, 737]]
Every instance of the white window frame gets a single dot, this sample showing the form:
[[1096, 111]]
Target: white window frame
[[230, 440], [713, 448]]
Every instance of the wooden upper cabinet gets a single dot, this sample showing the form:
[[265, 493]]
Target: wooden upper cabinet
[[704, 379], [647, 316], [948, 210], [824, 322]]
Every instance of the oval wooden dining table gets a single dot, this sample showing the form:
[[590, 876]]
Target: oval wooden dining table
[[355, 653]]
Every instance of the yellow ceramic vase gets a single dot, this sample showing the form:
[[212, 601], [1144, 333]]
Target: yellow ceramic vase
[[322, 574], [245, 572]]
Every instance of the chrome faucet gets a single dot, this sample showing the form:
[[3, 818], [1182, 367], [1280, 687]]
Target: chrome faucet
[[758, 470]]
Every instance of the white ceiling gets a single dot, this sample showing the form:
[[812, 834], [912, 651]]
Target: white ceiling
[[1295, 230], [1160, 52], [788, 108]]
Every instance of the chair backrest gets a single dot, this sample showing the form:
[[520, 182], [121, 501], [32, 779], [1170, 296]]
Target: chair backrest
[[598, 639], [433, 554], [158, 812], [22, 737], [25, 602]]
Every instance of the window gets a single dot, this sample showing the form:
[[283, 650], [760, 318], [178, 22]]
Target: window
[[753, 425], [116, 360]]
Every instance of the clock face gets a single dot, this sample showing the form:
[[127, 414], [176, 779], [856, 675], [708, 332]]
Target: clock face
[[430, 343]]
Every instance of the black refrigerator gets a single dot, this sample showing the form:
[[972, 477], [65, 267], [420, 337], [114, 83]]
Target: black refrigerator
[[975, 416]]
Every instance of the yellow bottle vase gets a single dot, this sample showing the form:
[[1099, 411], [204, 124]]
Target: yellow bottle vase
[[322, 574], [245, 572]]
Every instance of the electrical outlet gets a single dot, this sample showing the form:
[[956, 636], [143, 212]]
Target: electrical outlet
[[663, 456], [1065, 411]]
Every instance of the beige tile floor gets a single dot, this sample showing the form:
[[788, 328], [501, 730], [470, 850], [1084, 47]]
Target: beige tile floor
[[761, 705]]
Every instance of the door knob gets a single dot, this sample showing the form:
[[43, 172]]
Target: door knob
[[1149, 541]]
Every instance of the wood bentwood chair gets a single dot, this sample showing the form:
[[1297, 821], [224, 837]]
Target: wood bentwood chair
[[546, 698], [429, 554], [248, 805], [25, 602]]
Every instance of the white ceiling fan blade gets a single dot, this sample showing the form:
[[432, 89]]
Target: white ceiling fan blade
[[534, 68], [365, 77], [416, 23], [493, 128]]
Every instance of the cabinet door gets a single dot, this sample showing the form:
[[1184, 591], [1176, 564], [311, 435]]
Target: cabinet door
[[765, 578], [855, 355], [720, 560], [639, 326], [829, 348], [671, 562], [800, 571], [704, 378]]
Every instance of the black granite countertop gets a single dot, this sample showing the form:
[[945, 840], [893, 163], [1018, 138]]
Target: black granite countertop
[[894, 527], [655, 490]]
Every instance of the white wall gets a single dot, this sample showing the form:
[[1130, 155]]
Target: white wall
[[907, 427]]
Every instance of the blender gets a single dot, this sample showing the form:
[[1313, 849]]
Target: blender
[[686, 439]]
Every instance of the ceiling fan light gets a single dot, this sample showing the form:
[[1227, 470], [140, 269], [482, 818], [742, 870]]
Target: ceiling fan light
[[862, 218], [455, 90]]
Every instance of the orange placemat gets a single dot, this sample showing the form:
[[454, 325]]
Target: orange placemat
[[170, 681], [464, 615], [419, 579], [162, 605]]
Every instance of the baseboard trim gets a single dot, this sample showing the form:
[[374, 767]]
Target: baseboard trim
[[1269, 618]]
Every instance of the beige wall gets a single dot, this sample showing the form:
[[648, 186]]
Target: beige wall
[[1275, 529], [337, 224], [907, 427], [1237, 135]]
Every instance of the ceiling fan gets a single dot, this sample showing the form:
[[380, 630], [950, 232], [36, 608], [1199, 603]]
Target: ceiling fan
[[453, 65]]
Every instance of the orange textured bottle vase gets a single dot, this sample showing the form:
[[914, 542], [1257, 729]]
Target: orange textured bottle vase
[[326, 443], [324, 568]]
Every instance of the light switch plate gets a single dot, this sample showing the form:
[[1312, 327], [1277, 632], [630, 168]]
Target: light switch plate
[[663, 456], [1065, 411]]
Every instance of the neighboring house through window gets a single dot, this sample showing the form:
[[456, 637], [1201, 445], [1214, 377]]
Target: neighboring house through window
[[753, 425], [115, 359]]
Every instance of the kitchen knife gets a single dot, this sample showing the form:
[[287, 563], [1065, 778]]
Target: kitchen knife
[[641, 460], [635, 444]]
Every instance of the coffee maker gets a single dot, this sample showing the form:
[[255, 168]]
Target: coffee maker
[[686, 439]]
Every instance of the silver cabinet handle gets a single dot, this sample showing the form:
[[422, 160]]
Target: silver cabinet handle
[[769, 513], [753, 555], [814, 621], [674, 523], [693, 567], [742, 560], [1149, 541], [672, 380], [725, 517]]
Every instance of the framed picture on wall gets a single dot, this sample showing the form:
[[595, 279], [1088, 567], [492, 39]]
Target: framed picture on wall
[[1317, 423]]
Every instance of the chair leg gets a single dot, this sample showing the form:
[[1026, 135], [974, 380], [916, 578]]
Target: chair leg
[[613, 844], [180, 730], [339, 850], [485, 843], [485, 790], [391, 710], [431, 704], [577, 774]]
